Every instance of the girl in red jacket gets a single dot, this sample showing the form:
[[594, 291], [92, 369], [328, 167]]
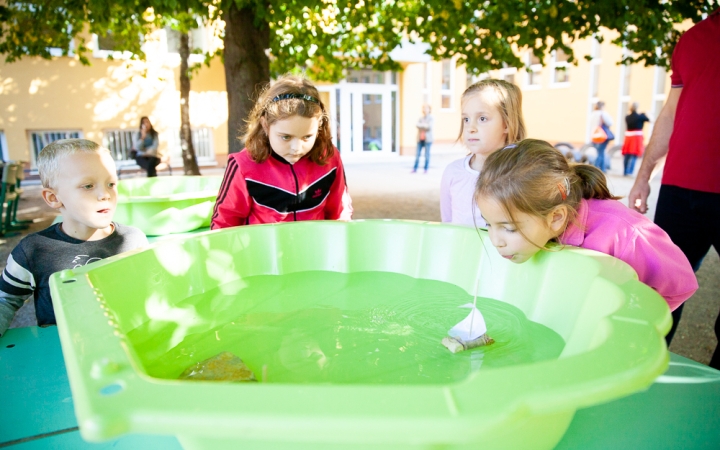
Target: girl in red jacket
[[289, 170]]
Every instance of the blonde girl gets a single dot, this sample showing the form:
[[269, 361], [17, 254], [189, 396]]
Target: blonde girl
[[531, 197], [289, 170], [491, 119]]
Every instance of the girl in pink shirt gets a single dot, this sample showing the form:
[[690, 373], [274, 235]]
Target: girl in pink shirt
[[491, 119], [531, 197]]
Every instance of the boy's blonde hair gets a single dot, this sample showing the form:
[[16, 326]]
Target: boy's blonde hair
[[509, 104], [274, 104], [533, 177], [48, 161]]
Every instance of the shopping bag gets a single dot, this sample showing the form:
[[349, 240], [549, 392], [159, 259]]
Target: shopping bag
[[599, 135]]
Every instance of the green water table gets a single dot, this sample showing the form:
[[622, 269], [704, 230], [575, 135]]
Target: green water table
[[166, 205], [130, 324]]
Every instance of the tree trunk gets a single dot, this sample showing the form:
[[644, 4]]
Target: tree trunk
[[190, 166], [247, 67]]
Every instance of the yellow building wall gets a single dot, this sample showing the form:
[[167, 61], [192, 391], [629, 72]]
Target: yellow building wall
[[412, 97], [59, 94]]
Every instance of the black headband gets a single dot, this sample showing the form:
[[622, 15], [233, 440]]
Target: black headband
[[306, 97]]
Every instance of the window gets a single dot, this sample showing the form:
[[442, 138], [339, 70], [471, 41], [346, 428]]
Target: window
[[39, 139], [595, 81], [105, 46], [202, 139], [4, 147], [119, 142], [507, 73], [560, 68], [197, 40], [534, 71], [447, 84], [658, 95], [369, 76], [427, 83]]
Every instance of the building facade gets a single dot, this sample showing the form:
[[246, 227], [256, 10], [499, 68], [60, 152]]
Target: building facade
[[371, 112]]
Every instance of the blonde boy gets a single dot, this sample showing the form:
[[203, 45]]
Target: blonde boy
[[79, 180]]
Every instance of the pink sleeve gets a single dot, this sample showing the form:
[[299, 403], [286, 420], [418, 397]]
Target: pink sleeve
[[339, 204], [446, 197], [660, 264]]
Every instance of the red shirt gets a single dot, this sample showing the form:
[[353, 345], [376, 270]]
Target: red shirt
[[693, 160], [277, 191]]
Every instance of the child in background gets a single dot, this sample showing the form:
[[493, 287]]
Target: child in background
[[289, 170], [491, 119], [530, 196], [79, 180]]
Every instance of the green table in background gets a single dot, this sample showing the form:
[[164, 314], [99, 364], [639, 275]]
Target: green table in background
[[681, 410]]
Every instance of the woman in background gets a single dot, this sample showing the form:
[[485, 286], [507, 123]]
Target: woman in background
[[145, 147], [634, 142]]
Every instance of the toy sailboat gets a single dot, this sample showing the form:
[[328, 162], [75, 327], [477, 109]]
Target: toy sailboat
[[471, 332]]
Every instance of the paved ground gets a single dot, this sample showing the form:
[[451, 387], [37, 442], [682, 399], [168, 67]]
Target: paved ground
[[383, 187]]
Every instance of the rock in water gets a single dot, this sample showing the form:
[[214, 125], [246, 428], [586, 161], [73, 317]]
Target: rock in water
[[222, 367]]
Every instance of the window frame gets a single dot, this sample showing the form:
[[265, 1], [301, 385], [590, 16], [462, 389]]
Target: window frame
[[555, 65], [34, 152], [530, 71], [450, 90]]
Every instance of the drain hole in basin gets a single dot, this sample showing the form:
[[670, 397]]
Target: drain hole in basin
[[71, 280], [111, 389]]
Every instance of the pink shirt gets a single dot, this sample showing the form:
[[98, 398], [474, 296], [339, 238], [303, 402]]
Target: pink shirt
[[457, 191], [610, 227]]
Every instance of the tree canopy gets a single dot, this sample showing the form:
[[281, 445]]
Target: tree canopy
[[264, 38], [325, 37]]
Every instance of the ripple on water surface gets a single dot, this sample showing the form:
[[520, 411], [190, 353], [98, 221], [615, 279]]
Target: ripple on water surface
[[329, 327]]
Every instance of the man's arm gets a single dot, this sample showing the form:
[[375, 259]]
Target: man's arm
[[655, 153]]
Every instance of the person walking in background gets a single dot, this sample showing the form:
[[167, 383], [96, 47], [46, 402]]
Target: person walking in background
[[145, 147], [424, 137], [491, 119], [633, 146], [601, 119], [687, 136]]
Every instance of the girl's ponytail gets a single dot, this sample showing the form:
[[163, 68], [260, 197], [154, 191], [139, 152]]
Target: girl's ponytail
[[534, 178], [592, 183]]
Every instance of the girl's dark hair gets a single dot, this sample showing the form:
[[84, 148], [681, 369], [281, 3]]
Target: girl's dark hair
[[256, 140], [152, 131], [533, 177]]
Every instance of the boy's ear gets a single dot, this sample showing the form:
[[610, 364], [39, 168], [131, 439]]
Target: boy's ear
[[557, 219], [51, 198]]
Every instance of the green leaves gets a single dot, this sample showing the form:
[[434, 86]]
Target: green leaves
[[324, 37]]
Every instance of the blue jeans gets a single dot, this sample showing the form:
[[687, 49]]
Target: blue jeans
[[692, 220], [600, 160], [420, 145], [629, 163]]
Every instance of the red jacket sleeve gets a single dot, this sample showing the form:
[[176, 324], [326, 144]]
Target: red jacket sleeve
[[232, 207], [339, 204]]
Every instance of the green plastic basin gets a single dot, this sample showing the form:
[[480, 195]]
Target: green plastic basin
[[130, 324], [165, 205]]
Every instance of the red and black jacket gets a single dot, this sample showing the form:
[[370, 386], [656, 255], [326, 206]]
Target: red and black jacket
[[277, 191]]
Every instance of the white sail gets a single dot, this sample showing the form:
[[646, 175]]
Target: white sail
[[472, 327]]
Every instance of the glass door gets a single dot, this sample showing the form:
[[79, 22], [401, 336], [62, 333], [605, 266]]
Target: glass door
[[365, 118]]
